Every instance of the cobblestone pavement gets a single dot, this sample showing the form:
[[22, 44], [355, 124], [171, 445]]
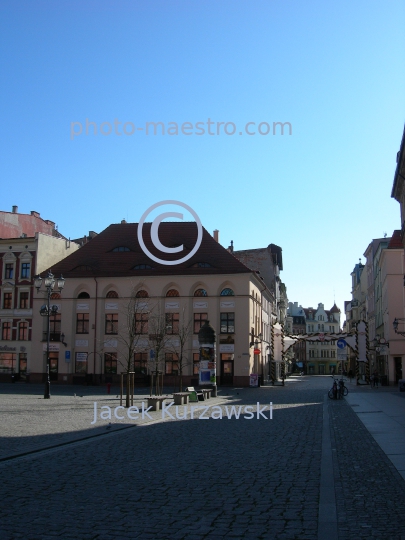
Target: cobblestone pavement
[[190, 479]]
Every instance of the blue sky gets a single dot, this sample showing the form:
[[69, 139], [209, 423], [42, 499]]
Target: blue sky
[[335, 71]]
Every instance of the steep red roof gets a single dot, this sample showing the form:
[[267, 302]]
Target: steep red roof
[[97, 257], [396, 242], [335, 309]]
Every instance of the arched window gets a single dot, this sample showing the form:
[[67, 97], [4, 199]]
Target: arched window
[[227, 292], [55, 296], [112, 294], [121, 248], [200, 292], [172, 292], [142, 294], [84, 295]]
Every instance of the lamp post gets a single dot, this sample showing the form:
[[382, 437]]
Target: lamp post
[[46, 311]]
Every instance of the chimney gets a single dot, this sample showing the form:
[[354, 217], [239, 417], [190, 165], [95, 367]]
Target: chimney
[[230, 248], [123, 221], [36, 214], [216, 235], [15, 209]]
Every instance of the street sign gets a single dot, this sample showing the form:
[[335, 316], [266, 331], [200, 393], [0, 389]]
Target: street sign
[[341, 343], [67, 356]]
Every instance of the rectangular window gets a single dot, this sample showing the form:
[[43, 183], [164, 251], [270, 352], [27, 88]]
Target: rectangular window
[[111, 323], [172, 365], [7, 362], [196, 363], [9, 271], [7, 300], [172, 323], [55, 326], [25, 270], [141, 323], [110, 363], [24, 300], [227, 323], [140, 363], [332, 354], [6, 331], [199, 319], [81, 362], [82, 323], [23, 331]]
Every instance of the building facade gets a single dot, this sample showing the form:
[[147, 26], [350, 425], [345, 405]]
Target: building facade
[[20, 260], [111, 281]]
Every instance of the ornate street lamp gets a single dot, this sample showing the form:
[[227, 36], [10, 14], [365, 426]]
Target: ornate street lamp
[[46, 311]]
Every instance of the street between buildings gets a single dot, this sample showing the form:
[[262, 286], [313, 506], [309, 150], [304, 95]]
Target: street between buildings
[[315, 471]]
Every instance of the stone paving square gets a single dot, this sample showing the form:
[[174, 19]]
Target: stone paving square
[[312, 472]]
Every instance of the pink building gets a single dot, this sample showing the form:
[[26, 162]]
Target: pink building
[[392, 266], [15, 225]]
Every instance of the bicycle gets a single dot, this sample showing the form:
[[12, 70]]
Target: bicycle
[[338, 389]]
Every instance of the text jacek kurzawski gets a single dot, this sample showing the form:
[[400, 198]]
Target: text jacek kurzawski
[[184, 412]]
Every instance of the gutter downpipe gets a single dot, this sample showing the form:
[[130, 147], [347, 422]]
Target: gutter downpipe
[[95, 333]]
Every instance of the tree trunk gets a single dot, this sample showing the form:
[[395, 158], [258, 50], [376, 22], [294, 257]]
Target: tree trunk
[[128, 391]]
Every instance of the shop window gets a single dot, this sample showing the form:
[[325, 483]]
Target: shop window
[[196, 363], [140, 363], [81, 362], [171, 364], [110, 363]]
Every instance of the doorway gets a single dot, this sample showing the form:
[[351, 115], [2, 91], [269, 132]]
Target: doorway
[[226, 369], [398, 368], [53, 365]]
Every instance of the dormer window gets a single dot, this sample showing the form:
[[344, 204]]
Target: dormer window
[[121, 248], [143, 267], [201, 265]]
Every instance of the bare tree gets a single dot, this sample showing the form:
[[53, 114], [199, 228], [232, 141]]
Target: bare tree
[[131, 332], [158, 341], [180, 347]]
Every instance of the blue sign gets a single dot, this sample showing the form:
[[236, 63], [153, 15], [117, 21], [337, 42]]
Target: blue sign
[[67, 356], [341, 343], [152, 354]]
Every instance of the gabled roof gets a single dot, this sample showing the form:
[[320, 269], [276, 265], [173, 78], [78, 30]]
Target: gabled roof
[[335, 309], [97, 257]]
